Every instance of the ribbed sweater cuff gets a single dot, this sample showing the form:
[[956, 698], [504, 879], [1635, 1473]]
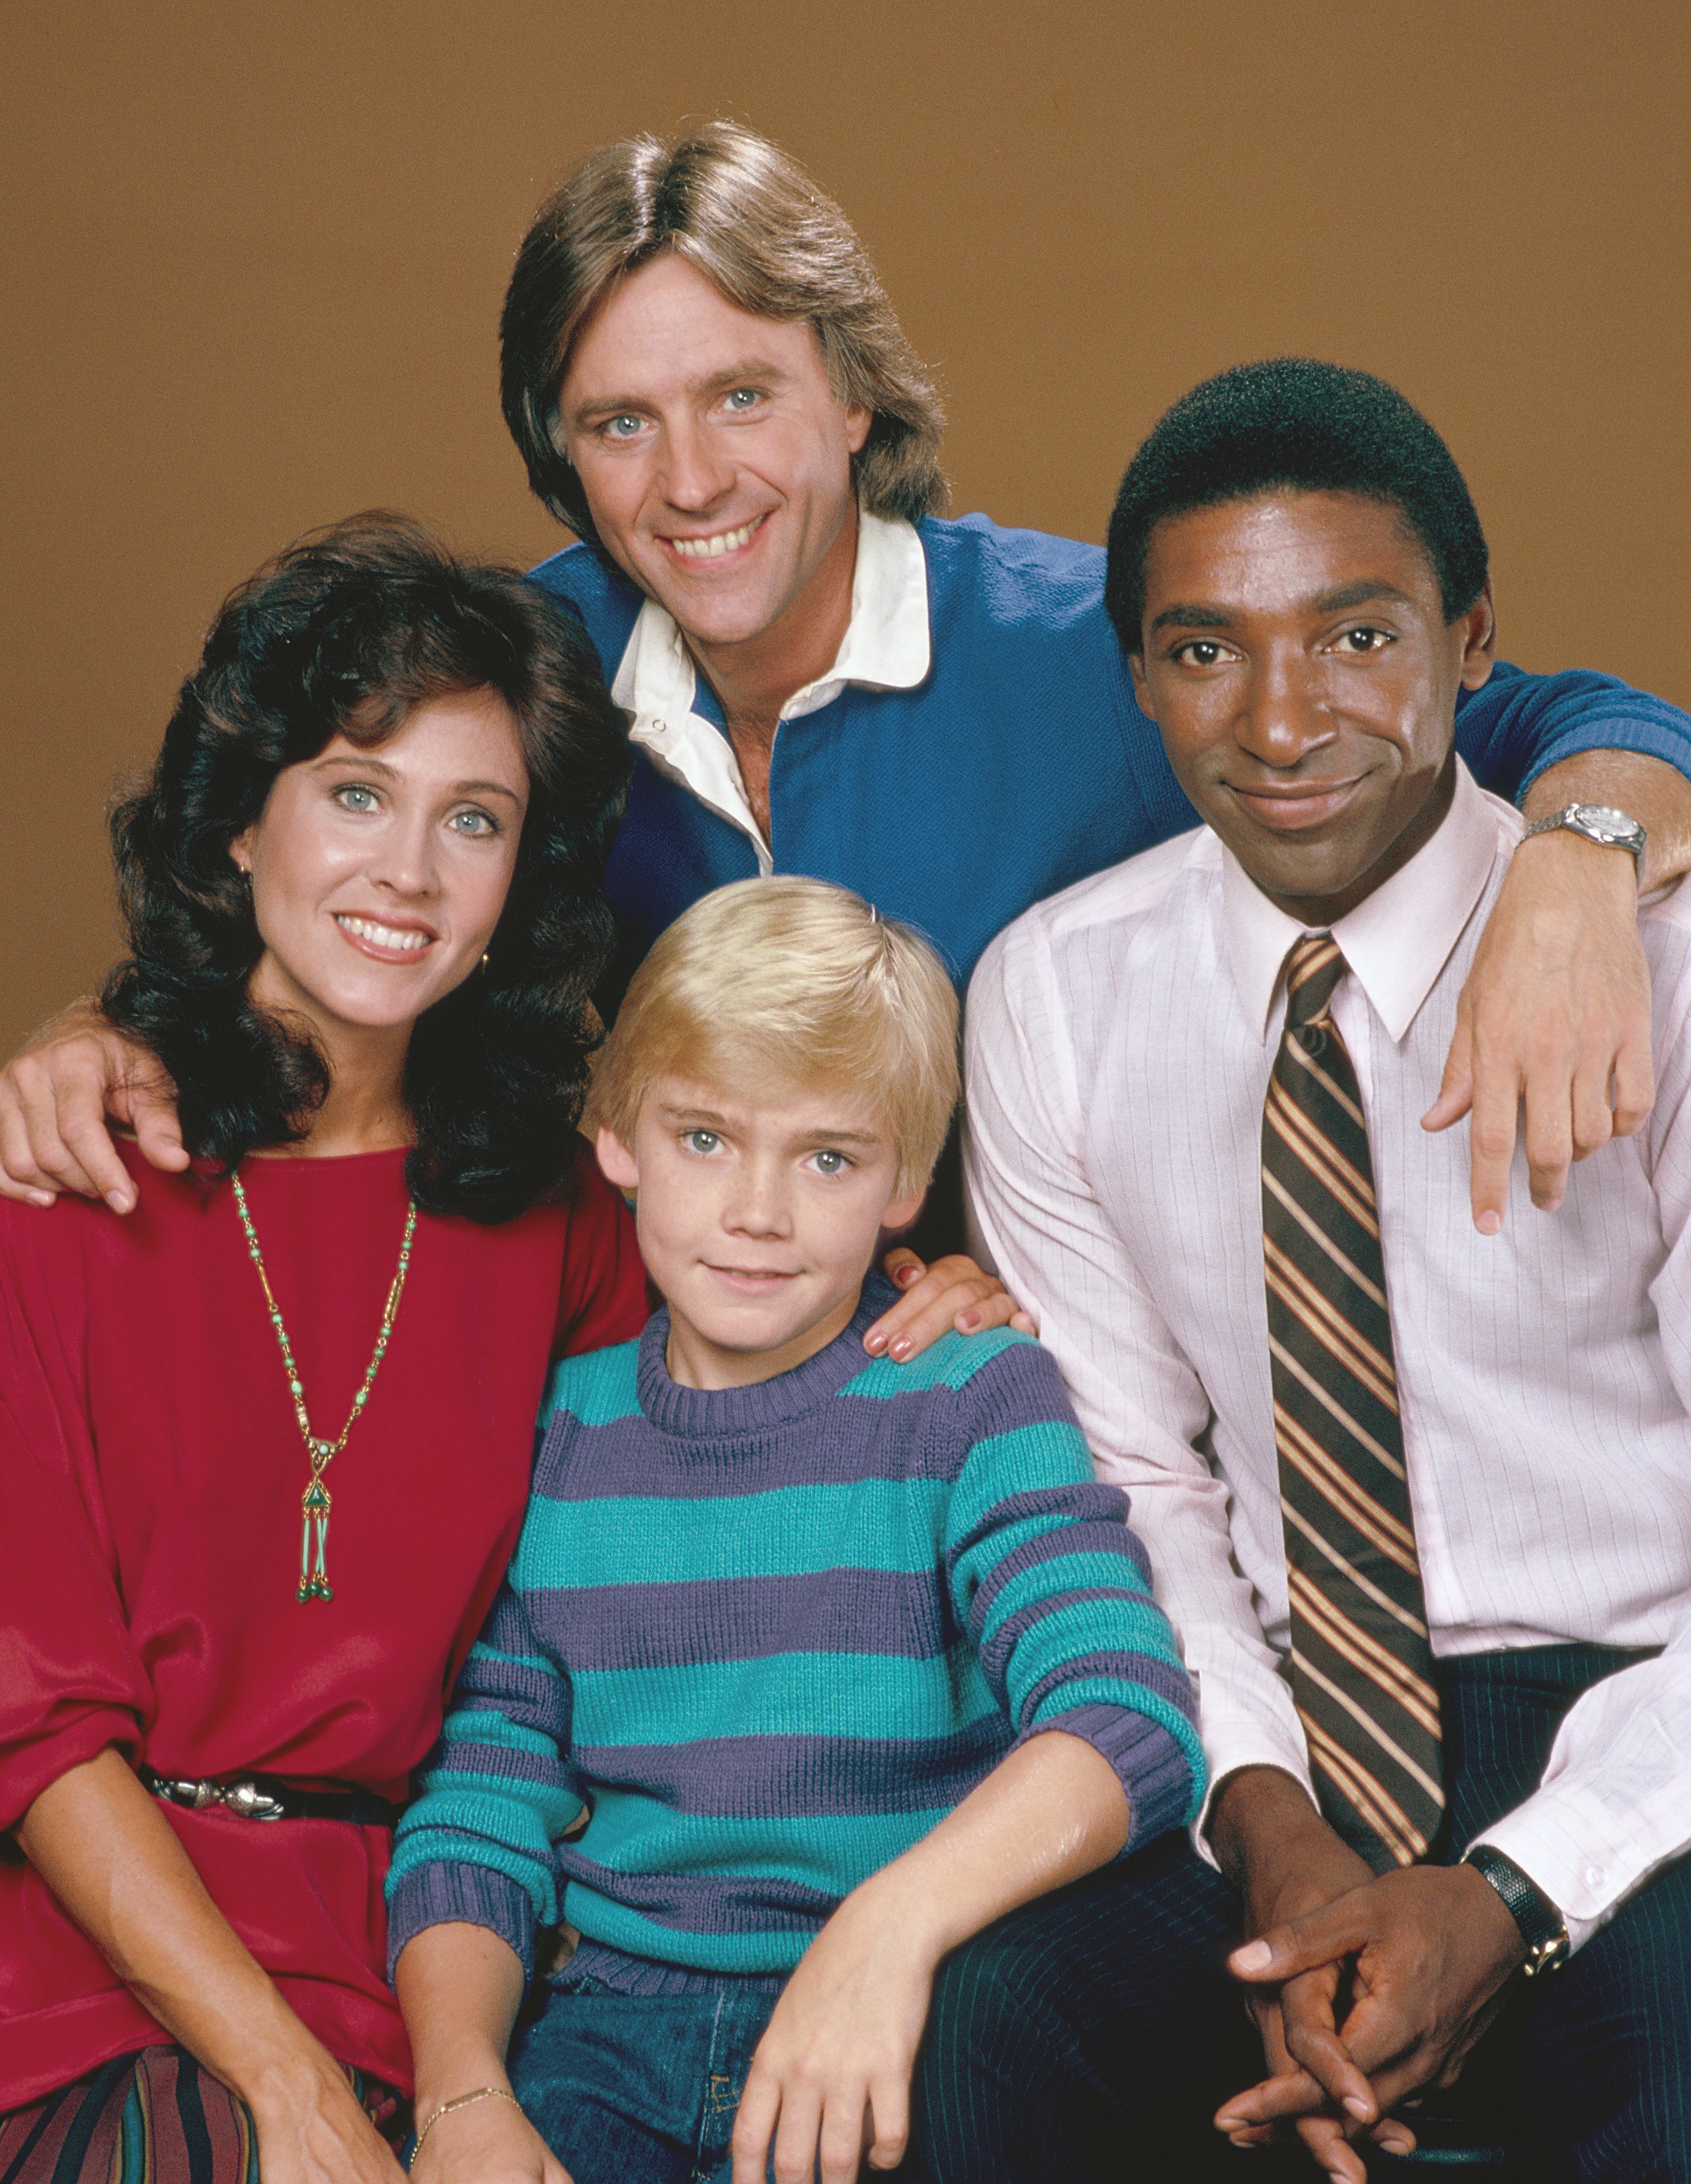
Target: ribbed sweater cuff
[[1153, 1770], [442, 1894]]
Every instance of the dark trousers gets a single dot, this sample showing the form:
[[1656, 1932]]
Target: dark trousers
[[1092, 2035]]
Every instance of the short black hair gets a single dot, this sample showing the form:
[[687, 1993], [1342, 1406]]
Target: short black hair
[[1294, 423], [345, 633]]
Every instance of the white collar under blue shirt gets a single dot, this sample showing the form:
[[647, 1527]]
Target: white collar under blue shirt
[[886, 647]]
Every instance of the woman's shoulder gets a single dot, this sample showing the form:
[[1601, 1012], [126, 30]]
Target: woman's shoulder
[[72, 1227], [603, 1299]]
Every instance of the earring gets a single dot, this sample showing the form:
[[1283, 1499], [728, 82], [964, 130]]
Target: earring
[[484, 959]]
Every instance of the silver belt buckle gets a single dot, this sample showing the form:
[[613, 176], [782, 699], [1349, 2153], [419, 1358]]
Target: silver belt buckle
[[246, 1800], [251, 1802]]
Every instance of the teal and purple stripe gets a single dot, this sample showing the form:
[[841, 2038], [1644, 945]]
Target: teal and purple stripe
[[768, 1637]]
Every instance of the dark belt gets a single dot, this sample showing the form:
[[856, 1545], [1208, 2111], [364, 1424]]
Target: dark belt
[[268, 1797]]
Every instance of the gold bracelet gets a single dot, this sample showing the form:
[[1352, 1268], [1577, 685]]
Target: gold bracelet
[[463, 2100]]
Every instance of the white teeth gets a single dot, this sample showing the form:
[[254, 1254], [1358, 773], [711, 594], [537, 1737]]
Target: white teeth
[[723, 542], [383, 936]]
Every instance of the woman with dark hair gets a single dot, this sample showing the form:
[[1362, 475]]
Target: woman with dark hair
[[264, 1444]]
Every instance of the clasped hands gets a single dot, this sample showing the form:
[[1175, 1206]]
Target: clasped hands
[[1366, 1989]]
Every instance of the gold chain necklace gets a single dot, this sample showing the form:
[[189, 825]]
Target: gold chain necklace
[[315, 1503]]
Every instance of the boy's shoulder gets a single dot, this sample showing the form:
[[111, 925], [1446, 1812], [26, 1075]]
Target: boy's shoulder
[[956, 1363], [595, 1388]]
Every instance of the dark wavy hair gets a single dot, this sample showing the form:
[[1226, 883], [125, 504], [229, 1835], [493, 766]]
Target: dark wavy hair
[[1293, 422], [343, 633]]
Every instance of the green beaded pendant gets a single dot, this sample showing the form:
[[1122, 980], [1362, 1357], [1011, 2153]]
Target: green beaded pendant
[[314, 1503]]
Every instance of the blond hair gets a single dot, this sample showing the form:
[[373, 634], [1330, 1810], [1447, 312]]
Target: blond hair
[[754, 223], [794, 982]]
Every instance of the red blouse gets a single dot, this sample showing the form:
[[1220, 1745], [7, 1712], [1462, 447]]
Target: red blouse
[[151, 1471]]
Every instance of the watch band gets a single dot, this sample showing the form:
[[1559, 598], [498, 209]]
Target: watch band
[[1542, 1927], [1598, 822]]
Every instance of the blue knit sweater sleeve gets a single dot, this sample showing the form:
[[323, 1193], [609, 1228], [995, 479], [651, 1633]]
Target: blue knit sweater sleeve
[[1517, 724], [496, 1795], [1054, 1589]]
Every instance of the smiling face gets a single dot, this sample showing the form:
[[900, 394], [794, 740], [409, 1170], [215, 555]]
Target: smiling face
[[1299, 664], [379, 875], [758, 1220], [712, 452]]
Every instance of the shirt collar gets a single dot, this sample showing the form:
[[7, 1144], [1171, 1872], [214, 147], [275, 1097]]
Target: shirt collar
[[887, 645], [1397, 940]]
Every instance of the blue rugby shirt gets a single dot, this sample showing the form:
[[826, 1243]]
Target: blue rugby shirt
[[1021, 764]]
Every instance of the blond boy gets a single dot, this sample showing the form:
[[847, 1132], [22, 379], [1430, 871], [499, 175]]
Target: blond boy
[[842, 1660]]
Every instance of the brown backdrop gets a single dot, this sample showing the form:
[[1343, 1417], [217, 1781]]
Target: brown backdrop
[[254, 261]]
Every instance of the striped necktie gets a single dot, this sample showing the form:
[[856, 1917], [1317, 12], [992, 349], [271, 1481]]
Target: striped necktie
[[1361, 1665]]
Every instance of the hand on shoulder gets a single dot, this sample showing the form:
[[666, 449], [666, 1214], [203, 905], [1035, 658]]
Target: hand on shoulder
[[952, 1292], [57, 1100]]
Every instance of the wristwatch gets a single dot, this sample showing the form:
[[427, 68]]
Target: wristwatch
[[1598, 823], [1542, 1927]]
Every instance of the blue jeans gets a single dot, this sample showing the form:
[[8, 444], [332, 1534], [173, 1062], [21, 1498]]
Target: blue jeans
[[638, 2089]]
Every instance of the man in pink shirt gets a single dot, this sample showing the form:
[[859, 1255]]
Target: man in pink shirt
[[1417, 1493]]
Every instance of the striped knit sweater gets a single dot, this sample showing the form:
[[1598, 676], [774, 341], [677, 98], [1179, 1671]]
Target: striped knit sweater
[[768, 1637]]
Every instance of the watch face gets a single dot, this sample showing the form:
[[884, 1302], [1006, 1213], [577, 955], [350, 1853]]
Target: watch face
[[1604, 821]]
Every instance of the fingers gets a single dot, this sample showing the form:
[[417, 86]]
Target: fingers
[[952, 1292], [1313, 2043], [754, 2125], [66, 1147], [1634, 1084], [55, 1137], [797, 2135], [1318, 2070], [1328, 2148], [1303, 1945], [818, 2131], [1275, 2099], [1322, 2070], [1456, 1091], [845, 2131], [1556, 1016], [1491, 1148], [20, 1177], [901, 1266], [889, 2132], [90, 1145], [151, 1115]]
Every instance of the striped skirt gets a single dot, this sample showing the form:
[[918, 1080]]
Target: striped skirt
[[154, 2118]]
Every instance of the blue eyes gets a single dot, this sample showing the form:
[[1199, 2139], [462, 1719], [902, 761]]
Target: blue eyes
[[825, 1162], [473, 825], [738, 402]]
